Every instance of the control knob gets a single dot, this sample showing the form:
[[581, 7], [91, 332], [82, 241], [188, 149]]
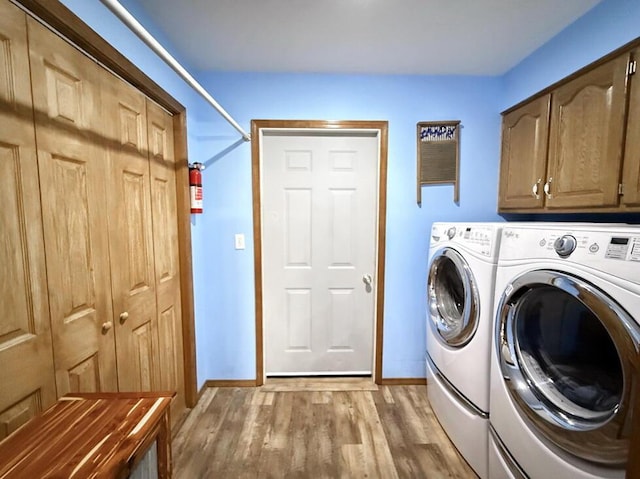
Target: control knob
[[565, 245], [451, 232]]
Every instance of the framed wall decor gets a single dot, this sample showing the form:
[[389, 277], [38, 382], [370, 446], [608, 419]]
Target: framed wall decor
[[438, 155]]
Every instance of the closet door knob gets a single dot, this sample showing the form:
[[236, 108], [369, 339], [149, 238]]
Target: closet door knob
[[123, 317], [106, 327]]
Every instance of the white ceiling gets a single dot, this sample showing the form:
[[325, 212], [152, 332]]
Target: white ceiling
[[435, 37]]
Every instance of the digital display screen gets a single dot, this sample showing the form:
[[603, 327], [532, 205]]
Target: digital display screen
[[622, 241]]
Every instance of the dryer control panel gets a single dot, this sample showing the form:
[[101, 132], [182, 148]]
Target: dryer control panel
[[615, 250], [623, 247]]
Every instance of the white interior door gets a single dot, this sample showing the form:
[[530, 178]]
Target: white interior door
[[319, 197]]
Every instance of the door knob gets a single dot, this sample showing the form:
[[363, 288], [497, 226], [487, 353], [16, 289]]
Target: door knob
[[368, 280], [106, 327], [123, 317]]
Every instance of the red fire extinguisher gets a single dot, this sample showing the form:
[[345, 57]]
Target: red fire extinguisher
[[195, 187]]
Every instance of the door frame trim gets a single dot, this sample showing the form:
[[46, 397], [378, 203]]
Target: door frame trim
[[67, 24], [383, 129]]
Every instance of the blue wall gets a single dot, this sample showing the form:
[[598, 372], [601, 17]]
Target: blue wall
[[223, 276], [604, 28], [226, 313]]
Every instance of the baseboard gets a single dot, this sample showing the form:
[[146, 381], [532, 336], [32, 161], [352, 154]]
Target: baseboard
[[403, 381], [230, 383]]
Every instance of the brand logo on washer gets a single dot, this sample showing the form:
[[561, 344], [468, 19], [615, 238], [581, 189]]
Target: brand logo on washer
[[510, 234]]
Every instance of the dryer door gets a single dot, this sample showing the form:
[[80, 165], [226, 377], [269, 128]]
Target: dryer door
[[453, 298], [569, 353]]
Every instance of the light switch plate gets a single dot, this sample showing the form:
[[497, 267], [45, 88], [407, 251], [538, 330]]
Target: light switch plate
[[239, 238]]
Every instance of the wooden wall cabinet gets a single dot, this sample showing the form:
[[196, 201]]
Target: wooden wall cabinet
[[585, 138], [631, 171], [525, 134], [563, 149]]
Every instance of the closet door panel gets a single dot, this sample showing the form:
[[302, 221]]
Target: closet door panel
[[72, 163], [27, 372], [130, 236], [165, 234]]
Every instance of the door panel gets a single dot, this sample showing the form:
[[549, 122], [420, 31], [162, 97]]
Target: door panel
[[524, 155], [130, 236], [319, 215], [585, 145], [167, 268], [26, 352], [631, 169], [72, 171]]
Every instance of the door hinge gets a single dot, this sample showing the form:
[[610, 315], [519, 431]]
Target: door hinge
[[620, 189], [631, 69]]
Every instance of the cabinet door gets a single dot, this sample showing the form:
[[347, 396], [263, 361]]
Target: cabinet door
[[524, 155], [27, 383], [167, 267], [130, 236], [585, 144], [72, 170], [631, 169]]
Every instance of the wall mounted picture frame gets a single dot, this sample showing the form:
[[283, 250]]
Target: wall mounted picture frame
[[438, 152]]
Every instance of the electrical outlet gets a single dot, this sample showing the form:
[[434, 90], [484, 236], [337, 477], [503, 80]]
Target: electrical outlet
[[239, 241]]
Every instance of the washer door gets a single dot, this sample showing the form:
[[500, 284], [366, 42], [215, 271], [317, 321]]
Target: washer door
[[453, 298], [569, 354]]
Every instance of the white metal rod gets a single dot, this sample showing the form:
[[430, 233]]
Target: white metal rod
[[137, 28]]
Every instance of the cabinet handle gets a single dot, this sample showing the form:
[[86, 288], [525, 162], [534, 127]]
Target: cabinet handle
[[547, 187], [123, 317], [106, 327], [534, 190]]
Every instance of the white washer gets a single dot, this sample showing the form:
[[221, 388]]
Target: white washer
[[565, 351], [462, 265]]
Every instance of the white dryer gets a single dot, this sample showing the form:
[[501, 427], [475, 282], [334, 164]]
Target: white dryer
[[462, 265], [565, 351]]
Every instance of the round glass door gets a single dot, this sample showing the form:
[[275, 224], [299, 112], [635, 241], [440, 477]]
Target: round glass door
[[565, 350], [452, 297]]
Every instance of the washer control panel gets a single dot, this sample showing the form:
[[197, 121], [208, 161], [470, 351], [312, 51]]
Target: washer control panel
[[480, 238]]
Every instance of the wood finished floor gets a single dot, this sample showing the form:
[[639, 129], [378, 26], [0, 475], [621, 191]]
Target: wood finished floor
[[252, 433]]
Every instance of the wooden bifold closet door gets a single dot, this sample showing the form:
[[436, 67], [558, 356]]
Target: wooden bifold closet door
[[91, 279], [130, 235], [167, 268], [26, 357], [73, 168]]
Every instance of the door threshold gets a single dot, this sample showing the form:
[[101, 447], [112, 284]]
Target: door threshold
[[318, 384]]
